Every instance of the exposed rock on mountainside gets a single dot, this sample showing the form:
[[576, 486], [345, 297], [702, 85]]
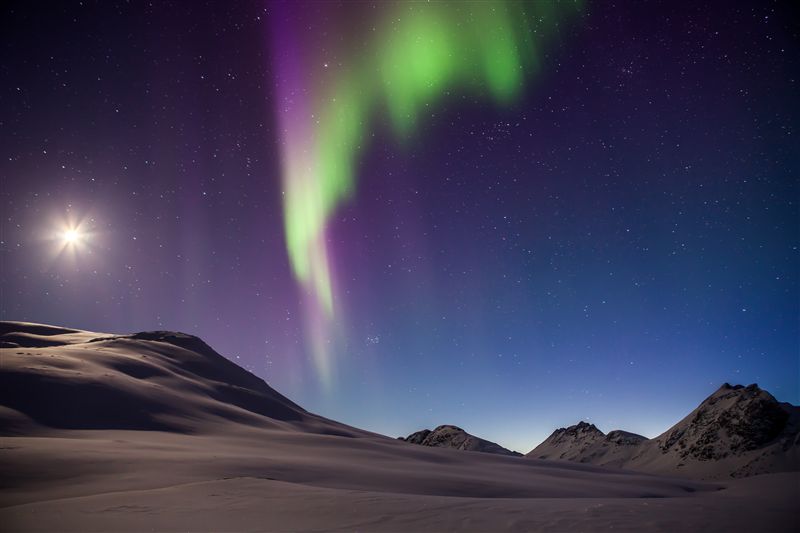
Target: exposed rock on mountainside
[[624, 438], [417, 437], [454, 437], [734, 419], [737, 431]]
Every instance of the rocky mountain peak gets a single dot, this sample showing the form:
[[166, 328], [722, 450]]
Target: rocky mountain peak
[[586, 427], [582, 431], [584, 442], [418, 437], [450, 436], [448, 427], [733, 420]]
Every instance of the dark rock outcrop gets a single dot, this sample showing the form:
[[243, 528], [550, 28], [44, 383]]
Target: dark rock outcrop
[[448, 436]]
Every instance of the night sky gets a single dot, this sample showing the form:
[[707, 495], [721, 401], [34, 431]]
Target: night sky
[[609, 237]]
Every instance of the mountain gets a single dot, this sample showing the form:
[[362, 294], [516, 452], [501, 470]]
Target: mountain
[[585, 443], [447, 436], [156, 381], [736, 432]]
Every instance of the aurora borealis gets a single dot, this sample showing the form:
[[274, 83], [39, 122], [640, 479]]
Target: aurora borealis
[[505, 216], [408, 56]]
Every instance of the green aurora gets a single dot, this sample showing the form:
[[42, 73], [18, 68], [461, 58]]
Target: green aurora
[[422, 53]]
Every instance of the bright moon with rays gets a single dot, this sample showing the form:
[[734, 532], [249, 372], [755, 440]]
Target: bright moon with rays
[[71, 236]]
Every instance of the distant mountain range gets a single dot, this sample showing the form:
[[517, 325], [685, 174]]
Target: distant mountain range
[[736, 432]]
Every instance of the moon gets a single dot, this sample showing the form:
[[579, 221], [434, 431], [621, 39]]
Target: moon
[[71, 236]]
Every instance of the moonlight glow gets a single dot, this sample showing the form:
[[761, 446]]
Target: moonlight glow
[[71, 236]]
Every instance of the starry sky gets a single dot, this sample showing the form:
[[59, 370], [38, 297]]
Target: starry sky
[[609, 237]]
